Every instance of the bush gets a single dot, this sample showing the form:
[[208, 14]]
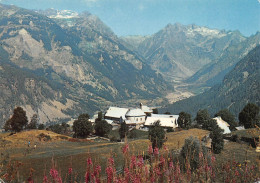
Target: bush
[[41, 127], [192, 151], [44, 137], [113, 139], [133, 134]]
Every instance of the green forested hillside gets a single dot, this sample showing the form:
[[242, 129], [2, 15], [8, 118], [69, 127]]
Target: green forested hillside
[[239, 87]]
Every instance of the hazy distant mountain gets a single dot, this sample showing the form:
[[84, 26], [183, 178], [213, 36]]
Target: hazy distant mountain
[[77, 53], [214, 72], [240, 86], [179, 51], [133, 42]]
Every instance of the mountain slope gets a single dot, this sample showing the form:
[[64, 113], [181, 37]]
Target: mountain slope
[[214, 72], [240, 86], [179, 51], [85, 59]]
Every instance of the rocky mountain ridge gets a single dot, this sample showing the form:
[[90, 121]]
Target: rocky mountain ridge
[[85, 59], [239, 87], [179, 51]]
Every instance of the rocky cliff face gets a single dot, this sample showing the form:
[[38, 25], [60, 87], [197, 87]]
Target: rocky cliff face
[[179, 51], [78, 55]]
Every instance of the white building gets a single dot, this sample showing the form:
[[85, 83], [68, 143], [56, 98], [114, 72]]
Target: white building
[[147, 110], [115, 113], [167, 121], [139, 117], [135, 117], [222, 124]]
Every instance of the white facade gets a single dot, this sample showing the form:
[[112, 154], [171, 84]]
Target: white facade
[[167, 121], [222, 124], [135, 116], [138, 117], [115, 113]]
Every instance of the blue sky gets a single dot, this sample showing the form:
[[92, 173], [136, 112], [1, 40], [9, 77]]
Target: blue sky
[[145, 17]]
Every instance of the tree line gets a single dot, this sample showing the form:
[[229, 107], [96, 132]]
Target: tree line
[[82, 127]]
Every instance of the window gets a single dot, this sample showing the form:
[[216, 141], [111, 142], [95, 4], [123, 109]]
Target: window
[[136, 119]]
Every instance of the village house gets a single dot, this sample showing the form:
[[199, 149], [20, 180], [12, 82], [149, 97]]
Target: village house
[[222, 124], [116, 114], [135, 118], [166, 121], [139, 117]]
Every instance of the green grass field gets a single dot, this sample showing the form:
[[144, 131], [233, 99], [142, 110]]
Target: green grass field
[[67, 154]]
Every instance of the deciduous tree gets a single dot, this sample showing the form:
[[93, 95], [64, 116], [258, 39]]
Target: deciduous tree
[[217, 143], [102, 128], [202, 116], [157, 135], [249, 116], [33, 122], [19, 120], [184, 120], [82, 127]]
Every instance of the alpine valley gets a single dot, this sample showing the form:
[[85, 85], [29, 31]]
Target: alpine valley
[[60, 64]]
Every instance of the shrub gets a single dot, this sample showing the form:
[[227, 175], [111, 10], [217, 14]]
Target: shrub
[[133, 134], [192, 152], [44, 137]]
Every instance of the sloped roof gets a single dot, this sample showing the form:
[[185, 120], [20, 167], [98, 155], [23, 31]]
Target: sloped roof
[[116, 112], [222, 124], [135, 112], [165, 122], [146, 109]]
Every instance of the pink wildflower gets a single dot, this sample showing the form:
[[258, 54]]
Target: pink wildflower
[[150, 149], [133, 162], [125, 148], [140, 162], [109, 172], [111, 161], [87, 177], [70, 171], [171, 166], [89, 161], [54, 174], [127, 174], [45, 179], [162, 161], [97, 169], [156, 151]]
